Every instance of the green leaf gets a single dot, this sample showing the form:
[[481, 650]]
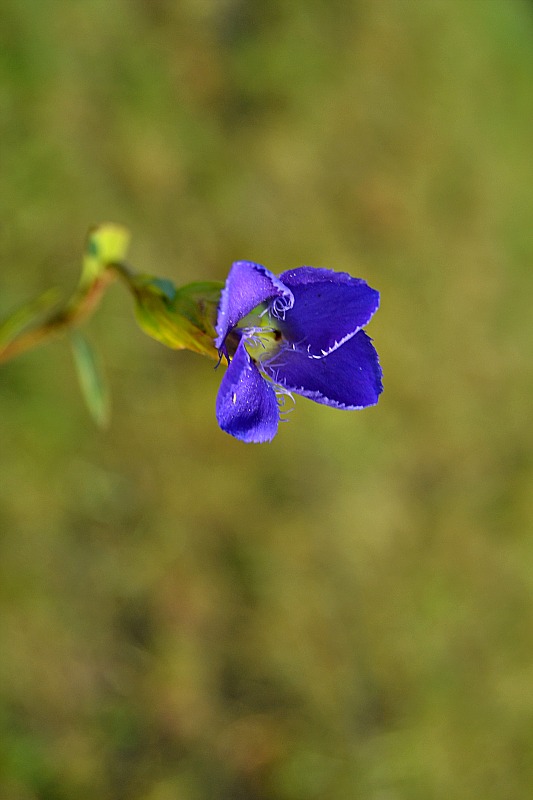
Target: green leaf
[[183, 319], [37, 321], [28, 314], [106, 244], [91, 378]]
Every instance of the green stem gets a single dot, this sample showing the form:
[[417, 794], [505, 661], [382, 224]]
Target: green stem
[[75, 311]]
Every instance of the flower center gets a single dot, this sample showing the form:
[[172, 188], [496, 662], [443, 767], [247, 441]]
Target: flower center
[[262, 337]]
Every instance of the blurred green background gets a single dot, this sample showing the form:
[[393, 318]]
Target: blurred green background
[[347, 612]]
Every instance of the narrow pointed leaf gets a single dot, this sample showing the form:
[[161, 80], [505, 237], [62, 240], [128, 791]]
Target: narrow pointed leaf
[[91, 378], [29, 314]]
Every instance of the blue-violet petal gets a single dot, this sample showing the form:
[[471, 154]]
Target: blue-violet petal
[[247, 286], [246, 406], [349, 377], [329, 308]]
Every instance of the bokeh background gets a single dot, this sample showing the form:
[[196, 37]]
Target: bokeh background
[[346, 612]]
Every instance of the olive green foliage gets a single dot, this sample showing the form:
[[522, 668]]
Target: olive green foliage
[[37, 321], [347, 612], [91, 377], [183, 318]]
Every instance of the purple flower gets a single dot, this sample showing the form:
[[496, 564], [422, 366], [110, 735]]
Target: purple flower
[[299, 332]]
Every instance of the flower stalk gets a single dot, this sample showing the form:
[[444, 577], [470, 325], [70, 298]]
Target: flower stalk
[[71, 314]]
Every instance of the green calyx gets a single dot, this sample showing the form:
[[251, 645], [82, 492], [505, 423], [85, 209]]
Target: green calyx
[[184, 318]]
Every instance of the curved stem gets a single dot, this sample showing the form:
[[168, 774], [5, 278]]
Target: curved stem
[[80, 306]]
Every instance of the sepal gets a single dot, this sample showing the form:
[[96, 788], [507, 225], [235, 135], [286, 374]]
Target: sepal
[[182, 319]]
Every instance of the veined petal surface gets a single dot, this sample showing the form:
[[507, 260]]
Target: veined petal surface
[[349, 377], [247, 406], [247, 286], [329, 308]]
